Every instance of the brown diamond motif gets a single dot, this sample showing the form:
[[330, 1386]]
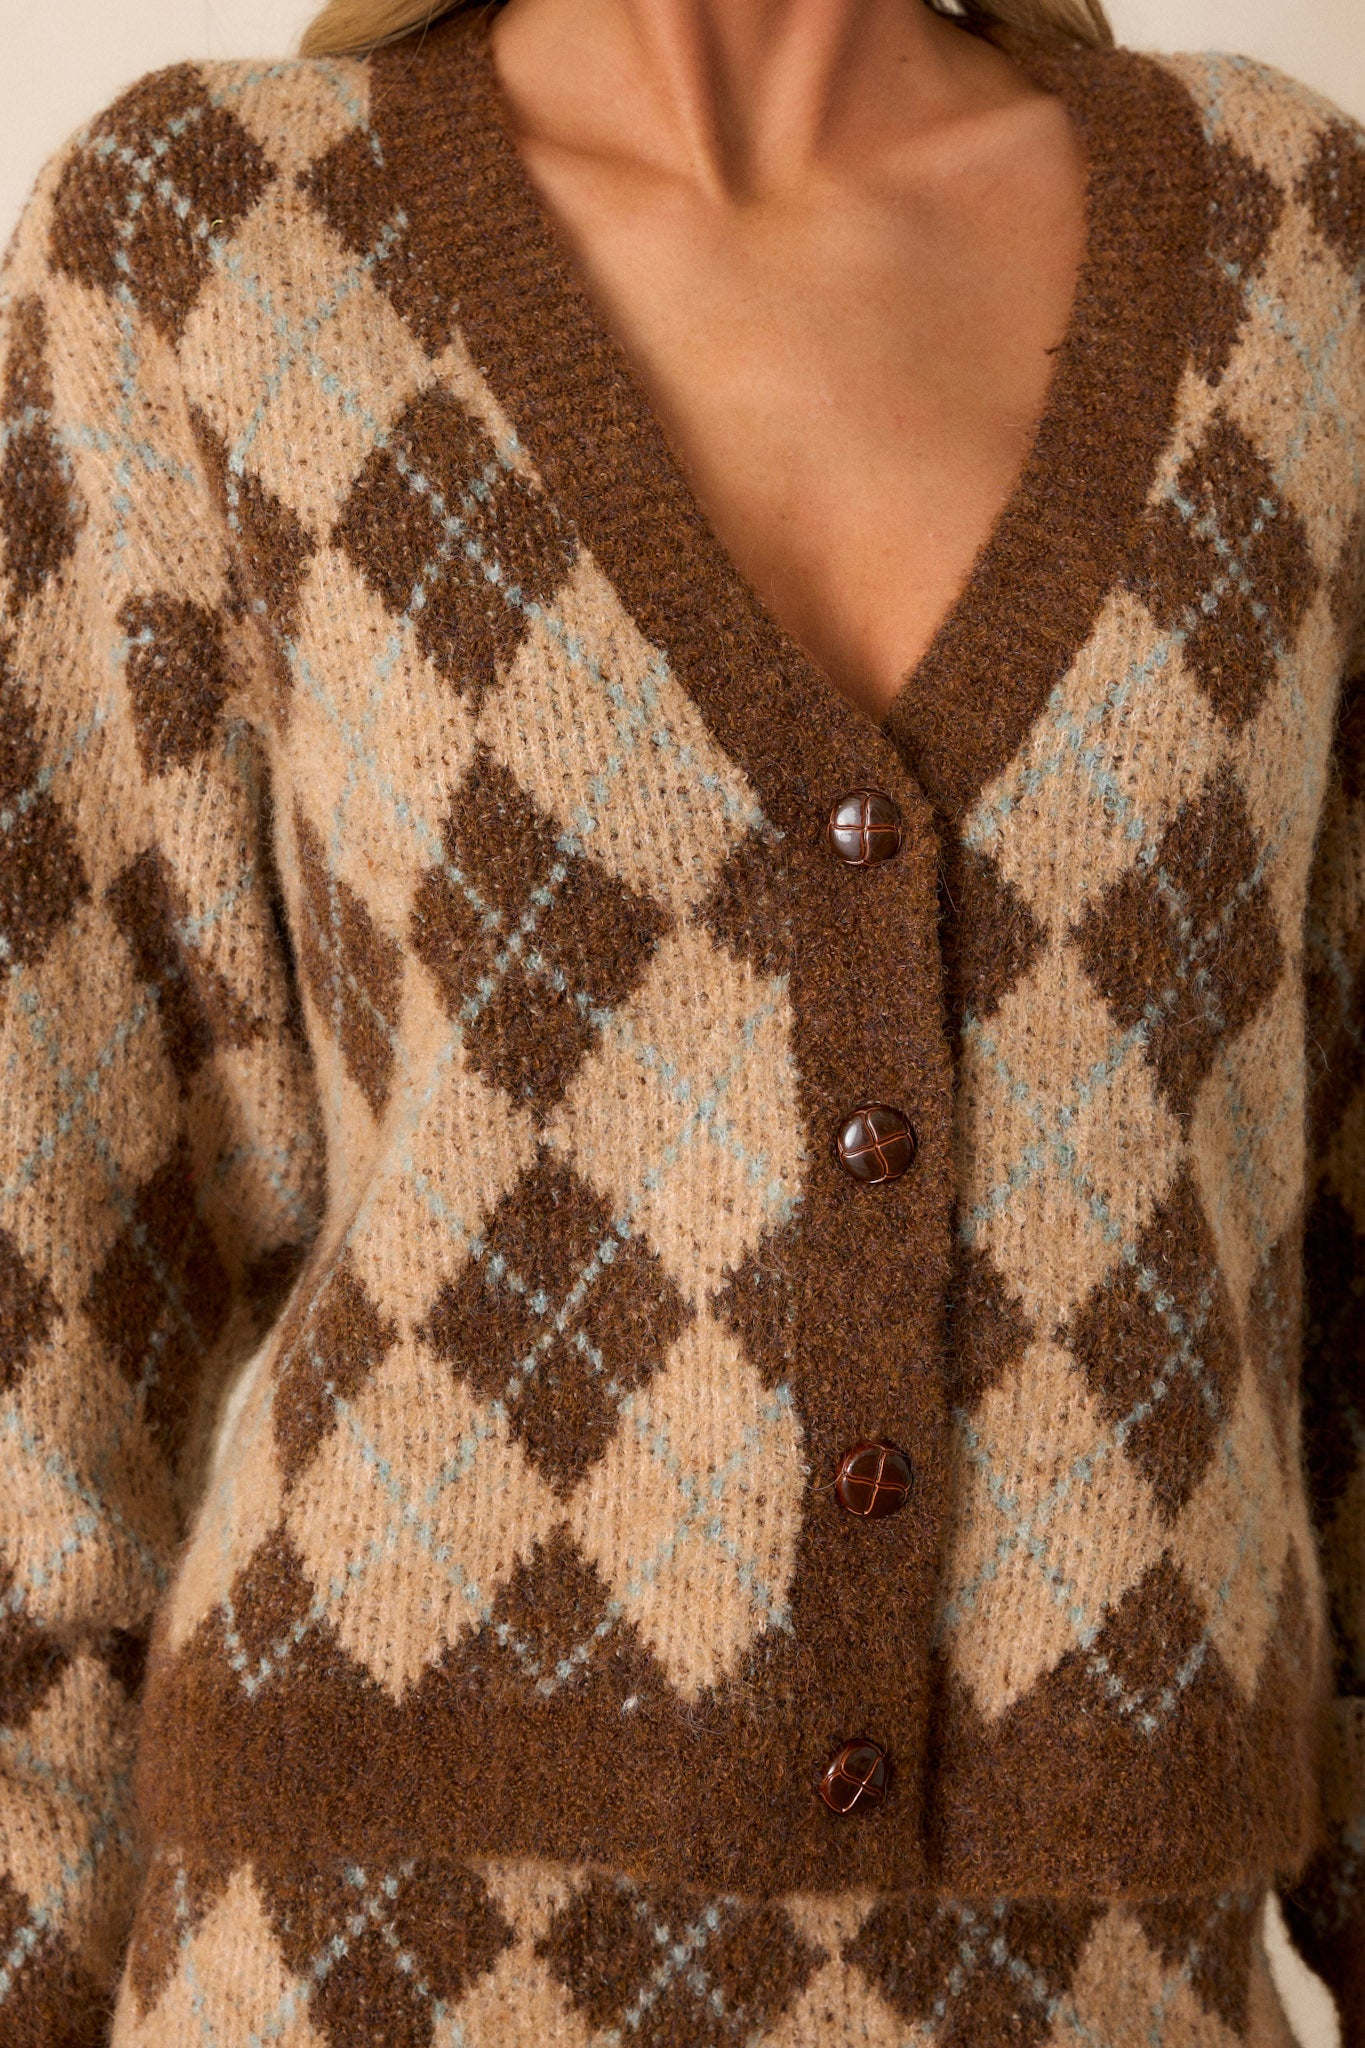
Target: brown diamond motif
[[989, 1331], [41, 513], [559, 1317], [27, 1309], [161, 1297], [32, 1657], [749, 908], [973, 1972], [51, 1984], [1333, 188], [1187, 946], [326, 1349], [172, 1903], [134, 207], [990, 936], [272, 1613], [273, 549], [1159, 1348], [1244, 210], [1211, 1941], [1225, 563], [42, 881], [177, 676], [355, 971], [554, 1631], [41, 875], [1152, 1658], [528, 939], [196, 1008], [357, 204], [682, 1969], [19, 756], [399, 1940], [447, 535]]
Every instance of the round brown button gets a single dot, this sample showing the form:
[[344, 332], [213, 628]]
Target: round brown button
[[864, 828], [855, 1776], [876, 1143], [873, 1480]]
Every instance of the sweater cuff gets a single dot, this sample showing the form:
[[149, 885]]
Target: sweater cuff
[[1324, 1909]]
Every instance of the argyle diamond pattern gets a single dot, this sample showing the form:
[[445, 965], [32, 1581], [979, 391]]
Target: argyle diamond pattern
[[580, 939], [547, 952], [497, 820], [558, 1324], [178, 1102], [1153, 747], [521, 1951], [442, 530]]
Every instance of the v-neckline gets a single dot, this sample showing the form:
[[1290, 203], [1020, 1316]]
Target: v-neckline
[[490, 246]]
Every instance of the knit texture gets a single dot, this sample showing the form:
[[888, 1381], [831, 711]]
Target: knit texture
[[428, 1002], [534, 1954]]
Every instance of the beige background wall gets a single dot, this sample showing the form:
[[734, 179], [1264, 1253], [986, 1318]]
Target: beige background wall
[[64, 58]]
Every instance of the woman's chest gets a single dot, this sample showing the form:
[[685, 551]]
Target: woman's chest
[[850, 375]]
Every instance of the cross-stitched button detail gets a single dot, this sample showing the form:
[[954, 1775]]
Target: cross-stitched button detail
[[864, 828], [855, 1777], [873, 1481], [876, 1143]]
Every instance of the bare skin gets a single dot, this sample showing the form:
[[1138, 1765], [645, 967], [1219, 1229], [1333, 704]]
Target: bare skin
[[837, 240]]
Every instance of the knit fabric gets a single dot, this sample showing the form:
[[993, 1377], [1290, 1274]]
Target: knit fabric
[[431, 1309], [554, 1958]]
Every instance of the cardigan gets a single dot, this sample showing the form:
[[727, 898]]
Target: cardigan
[[512, 1085]]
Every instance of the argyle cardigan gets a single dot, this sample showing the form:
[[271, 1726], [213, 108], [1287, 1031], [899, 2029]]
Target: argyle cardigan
[[432, 1308]]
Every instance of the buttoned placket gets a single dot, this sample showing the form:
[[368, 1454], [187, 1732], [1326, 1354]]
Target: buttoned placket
[[846, 1310]]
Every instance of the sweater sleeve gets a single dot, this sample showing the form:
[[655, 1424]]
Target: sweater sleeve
[[159, 1156], [1326, 1910]]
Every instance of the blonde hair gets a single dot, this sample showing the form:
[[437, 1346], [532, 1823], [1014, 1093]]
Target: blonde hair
[[345, 27]]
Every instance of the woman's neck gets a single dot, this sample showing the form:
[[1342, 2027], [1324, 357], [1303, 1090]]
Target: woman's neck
[[746, 98]]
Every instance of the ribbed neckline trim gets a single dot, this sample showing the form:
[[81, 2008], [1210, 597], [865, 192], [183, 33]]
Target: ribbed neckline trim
[[578, 408]]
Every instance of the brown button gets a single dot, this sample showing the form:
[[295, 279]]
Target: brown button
[[873, 1480], [855, 1777], [864, 828], [875, 1143]]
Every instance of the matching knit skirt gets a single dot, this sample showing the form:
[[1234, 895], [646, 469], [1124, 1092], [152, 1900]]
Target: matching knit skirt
[[525, 1955]]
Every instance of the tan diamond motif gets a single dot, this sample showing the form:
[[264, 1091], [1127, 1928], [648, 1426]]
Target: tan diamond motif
[[591, 721], [1233, 1537], [1126, 740], [285, 395], [1056, 1523], [439, 1503], [375, 735], [693, 1513], [686, 1116], [1078, 1148], [231, 1984]]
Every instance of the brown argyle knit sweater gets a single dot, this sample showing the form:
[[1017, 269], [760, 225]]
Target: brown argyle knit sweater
[[433, 1304]]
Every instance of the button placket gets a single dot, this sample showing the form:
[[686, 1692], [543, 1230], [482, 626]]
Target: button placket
[[875, 1144]]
